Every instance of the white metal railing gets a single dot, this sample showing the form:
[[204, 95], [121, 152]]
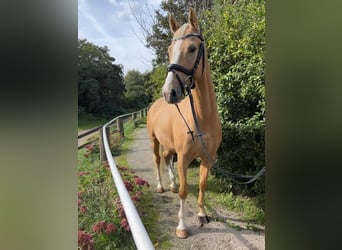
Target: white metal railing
[[140, 236]]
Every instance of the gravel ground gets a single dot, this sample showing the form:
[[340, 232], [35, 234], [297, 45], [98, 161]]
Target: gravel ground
[[215, 235]]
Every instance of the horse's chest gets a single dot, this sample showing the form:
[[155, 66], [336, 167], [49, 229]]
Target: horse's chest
[[195, 143]]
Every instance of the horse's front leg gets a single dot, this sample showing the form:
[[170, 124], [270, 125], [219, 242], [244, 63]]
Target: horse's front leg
[[202, 216], [182, 165], [173, 186], [157, 163]]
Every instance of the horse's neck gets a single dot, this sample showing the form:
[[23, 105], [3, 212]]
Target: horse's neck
[[204, 97]]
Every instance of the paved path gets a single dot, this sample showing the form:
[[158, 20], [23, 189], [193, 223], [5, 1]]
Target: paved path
[[215, 235]]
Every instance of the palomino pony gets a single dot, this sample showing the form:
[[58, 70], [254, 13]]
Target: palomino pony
[[185, 122]]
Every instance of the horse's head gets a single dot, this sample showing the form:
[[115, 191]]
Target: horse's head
[[185, 54]]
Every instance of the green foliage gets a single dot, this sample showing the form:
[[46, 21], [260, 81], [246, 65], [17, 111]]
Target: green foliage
[[155, 82], [100, 81], [235, 39], [135, 95]]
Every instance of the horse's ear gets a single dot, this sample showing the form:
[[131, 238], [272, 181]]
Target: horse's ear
[[193, 18], [173, 23]]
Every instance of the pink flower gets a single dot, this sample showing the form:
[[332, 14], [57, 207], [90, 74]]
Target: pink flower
[[85, 240], [140, 181], [122, 213], [79, 202], [124, 224], [89, 147], [110, 229], [83, 209], [129, 186], [91, 245], [139, 194], [99, 226], [135, 198]]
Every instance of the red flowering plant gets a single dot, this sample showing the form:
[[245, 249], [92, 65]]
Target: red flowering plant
[[85, 241], [101, 219]]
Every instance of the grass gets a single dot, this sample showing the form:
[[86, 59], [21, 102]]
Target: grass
[[248, 209], [88, 121], [129, 128], [151, 213]]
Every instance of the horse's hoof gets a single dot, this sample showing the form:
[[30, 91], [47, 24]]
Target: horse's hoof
[[203, 220], [181, 233], [160, 190], [174, 189]]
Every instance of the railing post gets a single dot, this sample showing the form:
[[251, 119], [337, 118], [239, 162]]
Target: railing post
[[119, 123], [102, 150], [108, 135]]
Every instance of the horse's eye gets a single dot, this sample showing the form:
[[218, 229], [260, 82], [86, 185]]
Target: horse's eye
[[192, 49]]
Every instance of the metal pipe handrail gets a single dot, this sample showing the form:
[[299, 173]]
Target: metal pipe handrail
[[140, 236], [95, 129], [122, 116]]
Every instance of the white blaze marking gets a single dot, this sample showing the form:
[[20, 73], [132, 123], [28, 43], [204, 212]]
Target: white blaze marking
[[175, 59]]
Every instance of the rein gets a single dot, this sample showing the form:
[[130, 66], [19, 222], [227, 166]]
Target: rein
[[186, 89]]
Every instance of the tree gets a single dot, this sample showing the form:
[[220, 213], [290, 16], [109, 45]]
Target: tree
[[155, 29], [155, 81], [135, 91], [100, 81]]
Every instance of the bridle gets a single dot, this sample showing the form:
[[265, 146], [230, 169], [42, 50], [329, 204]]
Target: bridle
[[189, 73]]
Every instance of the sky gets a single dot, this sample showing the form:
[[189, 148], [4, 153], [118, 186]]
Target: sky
[[111, 23]]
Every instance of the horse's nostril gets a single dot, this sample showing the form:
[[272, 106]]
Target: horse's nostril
[[173, 92]]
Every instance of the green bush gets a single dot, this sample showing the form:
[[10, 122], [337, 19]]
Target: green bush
[[235, 39]]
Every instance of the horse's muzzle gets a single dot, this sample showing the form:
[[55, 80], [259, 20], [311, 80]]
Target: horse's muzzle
[[171, 97]]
